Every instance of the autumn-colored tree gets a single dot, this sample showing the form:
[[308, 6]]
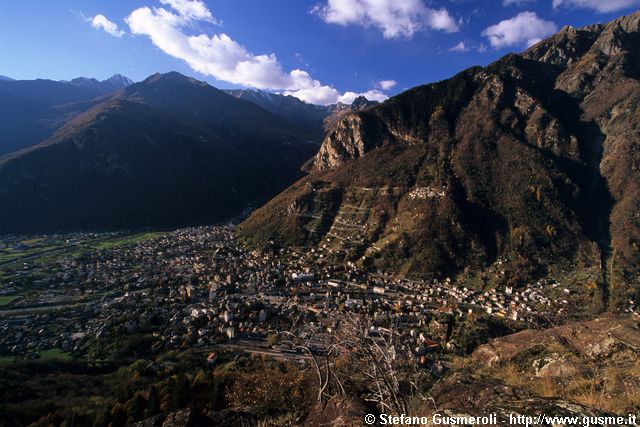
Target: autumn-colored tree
[[153, 402], [271, 389], [136, 406]]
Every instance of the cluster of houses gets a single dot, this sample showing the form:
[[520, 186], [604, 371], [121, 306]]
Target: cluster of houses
[[197, 288]]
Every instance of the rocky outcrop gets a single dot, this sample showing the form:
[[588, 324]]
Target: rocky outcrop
[[335, 112], [463, 394], [350, 138], [337, 412], [568, 348], [585, 369], [593, 363]]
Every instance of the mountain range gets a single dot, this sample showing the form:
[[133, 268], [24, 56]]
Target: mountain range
[[167, 151], [113, 83], [32, 110], [524, 168], [86, 154], [316, 119], [307, 117]]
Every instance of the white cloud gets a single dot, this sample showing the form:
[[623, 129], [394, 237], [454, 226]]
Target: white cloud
[[395, 18], [602, 6], [319, 95], [526, 28], [101, 22], [387, 84], [516, 2], [468, 47], [460, 47], [371, 95], [219, 55], [190, 9]]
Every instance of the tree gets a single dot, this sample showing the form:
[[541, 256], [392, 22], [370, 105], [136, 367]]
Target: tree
[[181, 393], [375, 357], [136, 406], [118, 415], [357, 356], [153, 402], [321, 363], [217, 397], [272, 340]]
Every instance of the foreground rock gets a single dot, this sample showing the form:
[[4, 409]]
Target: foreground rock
[[337, 412], [464, 394], [568, 350], [586, 369]]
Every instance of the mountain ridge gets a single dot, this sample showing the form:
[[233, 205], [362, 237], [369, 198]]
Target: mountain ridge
[[163, 152], [32, 110], [516, 161], [316, 119], [115, 82]]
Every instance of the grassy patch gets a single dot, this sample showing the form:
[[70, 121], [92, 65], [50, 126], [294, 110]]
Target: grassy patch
[[127, 240], [7, 360], [51, 257], [6, 300], [12, 255], [55, 354], [32, 242]]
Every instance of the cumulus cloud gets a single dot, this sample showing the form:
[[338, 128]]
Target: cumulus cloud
[[219, 55], [387, 84], [395, 18], [602, 6], [101, 22], [525, 28], [460, 47]]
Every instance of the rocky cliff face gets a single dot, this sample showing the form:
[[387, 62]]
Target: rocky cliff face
[[533, 159], [350, 138]]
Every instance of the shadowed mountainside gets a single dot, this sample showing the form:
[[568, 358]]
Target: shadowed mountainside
[[32, 110], [163, 152]]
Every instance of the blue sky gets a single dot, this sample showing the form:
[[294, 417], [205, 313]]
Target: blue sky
[[319, 50]]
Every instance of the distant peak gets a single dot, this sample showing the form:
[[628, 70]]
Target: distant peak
[[361, 102], [119, 78], [171, 76], [84, 81], [115, 82]]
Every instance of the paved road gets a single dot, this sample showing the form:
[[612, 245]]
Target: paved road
[[253, 349], [42, 308]]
